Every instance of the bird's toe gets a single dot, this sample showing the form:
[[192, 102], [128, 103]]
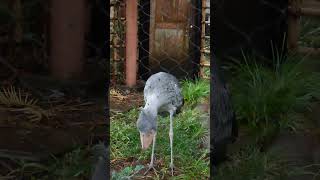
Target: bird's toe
[[149, 168], [171, 167]]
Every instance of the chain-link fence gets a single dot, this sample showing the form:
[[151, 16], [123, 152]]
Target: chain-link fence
[[26, 36], [257, 28], [172, 36]]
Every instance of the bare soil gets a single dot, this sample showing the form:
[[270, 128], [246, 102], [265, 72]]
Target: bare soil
[[123, 99], [56, 135], [74, 122]]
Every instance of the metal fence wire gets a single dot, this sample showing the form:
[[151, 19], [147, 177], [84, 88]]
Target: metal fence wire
[[173, 36], [25, 34], [255, 27]]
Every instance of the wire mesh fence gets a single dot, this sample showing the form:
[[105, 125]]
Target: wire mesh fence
[[172, 36], [257, 27], [26, 35]]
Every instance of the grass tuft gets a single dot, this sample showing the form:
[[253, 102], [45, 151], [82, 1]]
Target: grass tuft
[[272, 96], [195, 91]]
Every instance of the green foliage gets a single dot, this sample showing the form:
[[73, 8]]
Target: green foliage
[[195, 91], [272, 96], [74, 165], [253, 164], [126, 172], [124, 135], [310, 32]]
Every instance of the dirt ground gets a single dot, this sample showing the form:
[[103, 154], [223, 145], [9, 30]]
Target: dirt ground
[[71, 122], [123, 99]]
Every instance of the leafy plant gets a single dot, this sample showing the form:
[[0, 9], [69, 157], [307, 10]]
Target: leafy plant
[[77, 165], [271, 96], [73, 165], [126, 173], [18, 101], [250, 163], [195, 91], [310, 32], [12, 97]]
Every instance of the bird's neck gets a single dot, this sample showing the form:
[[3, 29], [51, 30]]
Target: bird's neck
[[151, 108]]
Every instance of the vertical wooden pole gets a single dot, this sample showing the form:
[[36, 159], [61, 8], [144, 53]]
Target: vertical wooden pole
[[203, 33], [293, 25], [68, 20], [131, 42]]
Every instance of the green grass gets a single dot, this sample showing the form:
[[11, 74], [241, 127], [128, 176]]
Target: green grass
[[195, 91], [268, 100], [190, 158], [274, 96], [125, 143], [75, 165], [128, 171], [252, 164], [310, 32]]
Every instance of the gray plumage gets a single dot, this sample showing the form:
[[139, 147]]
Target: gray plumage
[[162, 93], [166, 89]]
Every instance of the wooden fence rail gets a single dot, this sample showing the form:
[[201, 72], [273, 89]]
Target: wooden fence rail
[[298, 8], [203, 62]]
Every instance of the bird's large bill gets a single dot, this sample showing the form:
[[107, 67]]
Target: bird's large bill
[[146, 139]]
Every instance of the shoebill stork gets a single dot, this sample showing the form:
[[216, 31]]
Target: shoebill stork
[[162, 93]]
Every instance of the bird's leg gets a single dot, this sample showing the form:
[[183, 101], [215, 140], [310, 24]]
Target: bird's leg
[[152, 155], [171, 140]]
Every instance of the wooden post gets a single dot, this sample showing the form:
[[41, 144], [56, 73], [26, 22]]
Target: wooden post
[[203, 34], [293, 24], [68, 20], [131, 42]]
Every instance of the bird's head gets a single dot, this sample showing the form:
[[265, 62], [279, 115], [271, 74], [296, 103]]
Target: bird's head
[[147, 127]]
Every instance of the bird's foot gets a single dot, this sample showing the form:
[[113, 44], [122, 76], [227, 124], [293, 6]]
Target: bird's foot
[[150, 167], [171, 167]]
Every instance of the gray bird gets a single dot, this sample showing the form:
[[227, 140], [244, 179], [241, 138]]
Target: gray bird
[[162, 93]]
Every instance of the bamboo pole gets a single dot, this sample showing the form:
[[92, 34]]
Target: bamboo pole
[[131, 42], [116, 42], [203, 31], [115, 49]]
